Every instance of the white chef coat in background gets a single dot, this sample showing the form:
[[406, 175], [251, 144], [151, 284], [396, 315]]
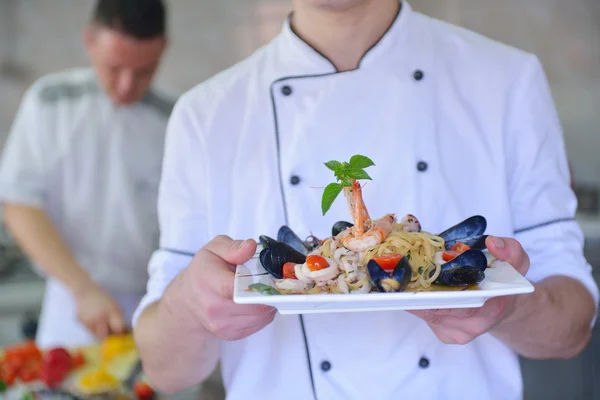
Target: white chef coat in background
[[94, 169], [457, 125]]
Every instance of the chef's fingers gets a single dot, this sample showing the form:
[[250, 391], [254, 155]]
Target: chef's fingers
[[510, 250], [455, 312], [116, 322], [100, 328], [239, 327], [492, 309], [215, 263], [233, 252]]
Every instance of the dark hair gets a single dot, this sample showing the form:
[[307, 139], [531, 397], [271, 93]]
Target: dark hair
[[141, 19]]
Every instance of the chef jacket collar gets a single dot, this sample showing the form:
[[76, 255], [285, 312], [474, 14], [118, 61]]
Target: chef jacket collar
[[302, 55]]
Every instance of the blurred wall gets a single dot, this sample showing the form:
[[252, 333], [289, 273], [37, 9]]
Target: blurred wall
[[41, 36]]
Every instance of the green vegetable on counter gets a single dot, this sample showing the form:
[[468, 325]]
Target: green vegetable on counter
[[28, 396], [3, 386], [346, 173], [262, 288]]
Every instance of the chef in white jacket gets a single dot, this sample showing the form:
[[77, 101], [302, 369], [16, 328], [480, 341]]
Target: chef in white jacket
[[80, 171], [457, 125]]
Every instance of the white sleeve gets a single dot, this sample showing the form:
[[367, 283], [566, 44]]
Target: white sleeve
[[181, 205], [25, 158], [542, 200]]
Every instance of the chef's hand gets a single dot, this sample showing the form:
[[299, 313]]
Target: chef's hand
[[460, 326], [97, 310], [207, 290]]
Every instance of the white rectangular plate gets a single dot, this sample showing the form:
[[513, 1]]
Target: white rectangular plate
[[501, 279]]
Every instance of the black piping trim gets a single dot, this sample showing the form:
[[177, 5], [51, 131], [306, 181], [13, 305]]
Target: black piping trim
[[281, 187], [394, 22], [312, 379], [544, 224], [175, 251]]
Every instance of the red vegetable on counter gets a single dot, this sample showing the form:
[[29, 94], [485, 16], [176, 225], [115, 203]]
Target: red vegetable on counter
[[78, 360], [143, 391], [56, 365]]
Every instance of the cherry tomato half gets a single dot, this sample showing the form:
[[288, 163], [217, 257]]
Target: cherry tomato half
[[316, 262], [388, 261], [289, 270], [455, 251], [460, 247]]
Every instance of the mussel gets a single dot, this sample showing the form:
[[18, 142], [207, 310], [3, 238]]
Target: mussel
[[470, 231], [286, 235], [276, 253], [466, 269], [339, 227], [397, 281]]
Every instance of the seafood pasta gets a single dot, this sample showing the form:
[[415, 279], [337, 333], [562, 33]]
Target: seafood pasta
[[403, 240], [367, 255]]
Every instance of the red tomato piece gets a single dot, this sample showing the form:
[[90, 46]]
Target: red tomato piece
[[316, 262], [461, 247], [57, 364], [289, 270], [455, 251], [28, 375], [143, 391], [388, 261], [59, 358], [450, 255], [78, 360], [8, 375]]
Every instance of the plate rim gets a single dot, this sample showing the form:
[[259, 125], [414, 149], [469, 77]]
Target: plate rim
[[522, 286]]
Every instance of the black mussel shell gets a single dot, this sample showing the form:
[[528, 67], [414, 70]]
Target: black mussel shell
[[266, 241], [466, 269], [339, 227], [470, 227], [397, 282], [474, 242], [286, 235], [275, 254]]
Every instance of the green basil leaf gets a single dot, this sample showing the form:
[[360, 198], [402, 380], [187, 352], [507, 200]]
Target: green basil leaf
[[420, 270], [359, 161], [264, 289], [357, 173], [333, 165], [329, 195]]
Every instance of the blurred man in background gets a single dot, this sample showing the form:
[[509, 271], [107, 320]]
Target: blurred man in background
[[80, 171]]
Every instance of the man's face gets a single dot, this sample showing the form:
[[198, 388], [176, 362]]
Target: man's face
[[334, 5], [124, 65]]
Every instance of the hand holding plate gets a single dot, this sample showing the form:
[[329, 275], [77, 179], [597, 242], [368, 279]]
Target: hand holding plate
[[461, 326]]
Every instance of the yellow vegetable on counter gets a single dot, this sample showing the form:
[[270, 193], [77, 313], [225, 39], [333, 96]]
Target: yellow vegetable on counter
[[99, 380], [116, 345]]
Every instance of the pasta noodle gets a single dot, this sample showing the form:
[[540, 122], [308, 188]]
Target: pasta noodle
[[419, 247]]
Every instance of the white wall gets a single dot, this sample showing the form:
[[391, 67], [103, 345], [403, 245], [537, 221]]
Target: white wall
[[209, 35]]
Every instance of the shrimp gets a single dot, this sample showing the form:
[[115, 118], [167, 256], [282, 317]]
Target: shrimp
[[363, 235], [374, 236], [358, 210]]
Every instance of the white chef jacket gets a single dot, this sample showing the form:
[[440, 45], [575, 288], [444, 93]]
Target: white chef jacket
[[457, 125], [95, 169]]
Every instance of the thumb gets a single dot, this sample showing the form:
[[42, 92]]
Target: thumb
[[234, 252], [509, 250]]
